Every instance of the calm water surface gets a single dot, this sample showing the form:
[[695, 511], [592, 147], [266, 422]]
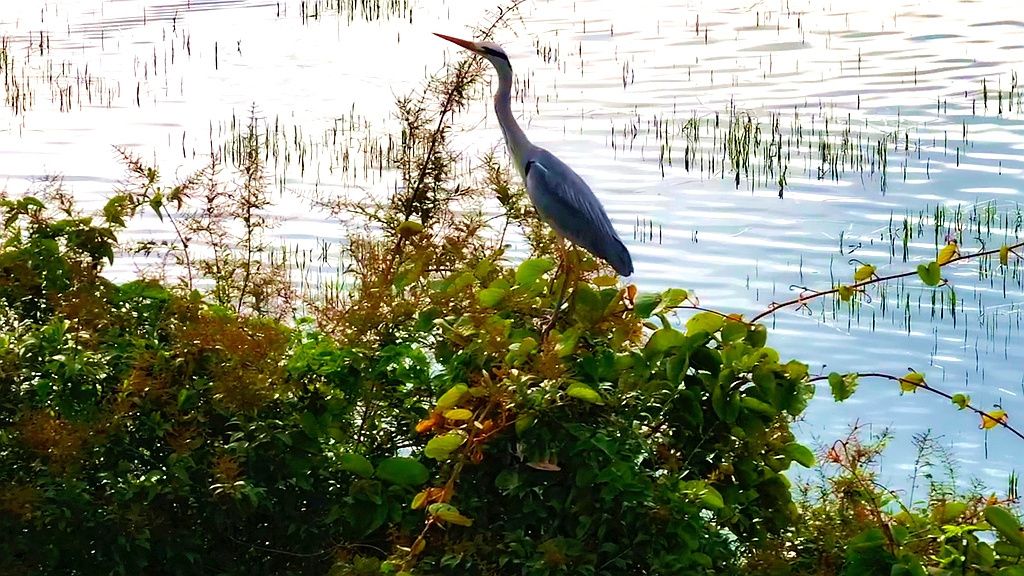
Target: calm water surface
[[877, 113]]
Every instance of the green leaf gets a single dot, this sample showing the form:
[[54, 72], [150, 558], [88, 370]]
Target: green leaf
[[450, 399], [567, 341], [664, 339], [733, 330], [531, 270], [646, 304], [309, 424], [759, 406], [705, 492], [757, 335], [356, 464], [799, 453], [1006, 524], [961, 400], [402, 471], [673, 297], [930, 274], [440, 447], [581, 391], [843, 385], [704, 322], [490, 297], [946, 512]]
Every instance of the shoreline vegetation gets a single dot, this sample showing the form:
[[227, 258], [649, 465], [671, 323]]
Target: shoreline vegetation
[[420, 417]]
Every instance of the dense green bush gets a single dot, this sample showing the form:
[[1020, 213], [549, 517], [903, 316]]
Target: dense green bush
[[144, 430]]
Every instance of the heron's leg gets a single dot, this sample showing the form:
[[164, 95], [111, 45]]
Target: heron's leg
[[566, 272]]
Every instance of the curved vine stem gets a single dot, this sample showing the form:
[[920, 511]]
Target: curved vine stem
[[804, 298], [925, 386]]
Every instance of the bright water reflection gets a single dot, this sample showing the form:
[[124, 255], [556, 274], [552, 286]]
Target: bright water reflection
[[876, 113]]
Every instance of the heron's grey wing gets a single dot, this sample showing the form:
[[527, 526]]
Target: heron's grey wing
[[566, 203]]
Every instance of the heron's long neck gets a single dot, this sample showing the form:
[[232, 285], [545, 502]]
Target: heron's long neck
[[517, 142]]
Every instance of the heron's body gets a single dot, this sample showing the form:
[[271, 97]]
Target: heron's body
[[560, 196]]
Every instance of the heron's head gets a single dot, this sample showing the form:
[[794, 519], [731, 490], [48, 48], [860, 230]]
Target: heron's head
[[489, 50]]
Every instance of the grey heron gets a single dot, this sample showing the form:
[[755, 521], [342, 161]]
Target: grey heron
[[560, 196]]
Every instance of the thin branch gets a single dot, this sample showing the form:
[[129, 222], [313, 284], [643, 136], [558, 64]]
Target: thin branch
[[925, 386], [803, 299]]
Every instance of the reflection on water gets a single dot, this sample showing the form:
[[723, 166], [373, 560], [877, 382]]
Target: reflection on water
[[744, 150]]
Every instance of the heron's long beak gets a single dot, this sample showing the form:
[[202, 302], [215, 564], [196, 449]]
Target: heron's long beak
[[464, 43]]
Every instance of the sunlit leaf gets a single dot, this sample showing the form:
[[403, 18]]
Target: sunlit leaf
[[419, 500], [704, 322], [409, 228], [581, 391], [449, 514], [567, 341], [961, 400], [1004, 255], [930, 274], [531, 270], [1006, 524], [706, 493], [842, 385], [673, 297], [863, 272], [356, 464], [440, 447], [799, 453], [605, 281], [645, 305], [911, 381], [402, 471], [458, 414], [994, 418], [490, 297], [665, 339], [450, 399], [845, 293], [948, 252]]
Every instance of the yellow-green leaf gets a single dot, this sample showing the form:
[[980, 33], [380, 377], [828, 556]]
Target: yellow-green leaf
[[581, 391], [799, 453], [458, 414], [524, 422], [531, 270], [450, 399], [948, 252], [863, 273], [410, 228], [664, 339], [845, 293], [1006, 524], [440, 447], [605, 281], [704, 322], [930, 274], [994, 418], [449, 514], [1004, 255], [490, 297], [961, 400], [911, 381]]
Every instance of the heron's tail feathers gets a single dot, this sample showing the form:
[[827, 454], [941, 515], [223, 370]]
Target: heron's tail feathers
[[616, 254]]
